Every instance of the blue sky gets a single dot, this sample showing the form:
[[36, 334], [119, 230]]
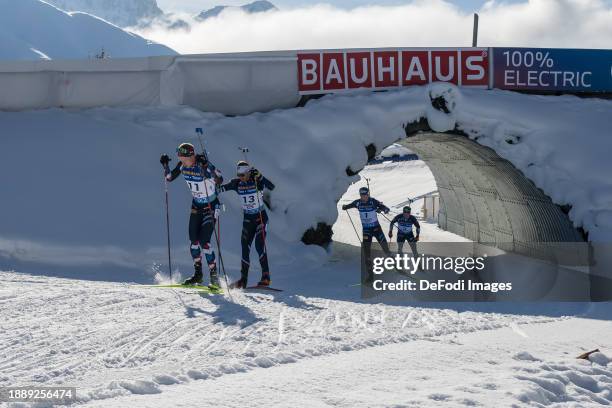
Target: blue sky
[[193, 6]]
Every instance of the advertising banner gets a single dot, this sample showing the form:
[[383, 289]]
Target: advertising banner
[[549, 69], [333, 71]]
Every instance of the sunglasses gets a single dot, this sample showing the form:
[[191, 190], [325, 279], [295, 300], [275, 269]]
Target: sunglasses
[[184, 152]]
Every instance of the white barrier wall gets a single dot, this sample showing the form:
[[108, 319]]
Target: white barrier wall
[[242, 83], [235, 85], [232, 84]]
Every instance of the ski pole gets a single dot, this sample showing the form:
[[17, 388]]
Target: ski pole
[[390, 221], [200, 133], [395, 225], [245, 151], [354, 228], [218, 239], [168, 228], [368, 183]]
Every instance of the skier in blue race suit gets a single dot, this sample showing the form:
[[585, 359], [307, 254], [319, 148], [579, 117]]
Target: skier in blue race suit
[[368, 207], [202, 178], [249, 185], [405, 221]]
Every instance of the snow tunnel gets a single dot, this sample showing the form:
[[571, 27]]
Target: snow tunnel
[[484, 198]]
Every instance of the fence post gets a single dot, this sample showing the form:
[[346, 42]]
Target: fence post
[[475, 32]]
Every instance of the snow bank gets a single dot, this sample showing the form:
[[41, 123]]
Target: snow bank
[[581, 382], [32, 30], [140, 387], [103, 202], [600, 358], [561, 143], [108, 192]]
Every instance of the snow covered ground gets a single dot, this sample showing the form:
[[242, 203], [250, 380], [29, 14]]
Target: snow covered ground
[[422, 373], [316, 344]]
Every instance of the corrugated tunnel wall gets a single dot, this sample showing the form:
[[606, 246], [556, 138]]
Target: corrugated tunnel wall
[[486, 199]]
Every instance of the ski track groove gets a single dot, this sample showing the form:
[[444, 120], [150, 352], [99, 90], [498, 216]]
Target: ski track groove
[[146, 341], [43, 346]]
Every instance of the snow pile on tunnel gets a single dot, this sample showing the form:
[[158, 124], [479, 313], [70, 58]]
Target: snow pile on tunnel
[[91, 196], [561, 143]]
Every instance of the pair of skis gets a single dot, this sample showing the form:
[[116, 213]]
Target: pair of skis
[[213, 291]]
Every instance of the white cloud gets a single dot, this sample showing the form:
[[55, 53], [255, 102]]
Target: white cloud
[[545, 23]]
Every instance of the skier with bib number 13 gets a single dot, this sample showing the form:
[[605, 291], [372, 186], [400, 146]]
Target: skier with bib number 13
[[203, 179], [249, 185]]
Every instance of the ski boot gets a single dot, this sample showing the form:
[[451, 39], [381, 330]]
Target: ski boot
[[197, 276], [265, 279], [244, 278], [214, 278], [239, 284]]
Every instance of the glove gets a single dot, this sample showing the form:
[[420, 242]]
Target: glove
[[200, 158], [344, 207], [255, 174], [390, 234], [386, 211], [164, 160]]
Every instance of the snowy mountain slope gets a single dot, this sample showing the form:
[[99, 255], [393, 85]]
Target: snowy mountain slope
[[115, 340], [123, 13], [32, 29], [259, 6]]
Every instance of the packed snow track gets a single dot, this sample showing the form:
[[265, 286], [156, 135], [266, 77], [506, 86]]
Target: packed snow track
[[113, 339]]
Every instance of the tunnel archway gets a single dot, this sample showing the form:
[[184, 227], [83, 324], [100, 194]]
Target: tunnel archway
[[484, 198]]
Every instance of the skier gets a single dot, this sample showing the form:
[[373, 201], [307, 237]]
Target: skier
[[368, 207], [404, 222], [249, 185], [202, 178]]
